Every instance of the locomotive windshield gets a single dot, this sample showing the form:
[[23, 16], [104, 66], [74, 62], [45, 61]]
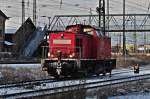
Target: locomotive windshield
[[88, 31], [99, 33]]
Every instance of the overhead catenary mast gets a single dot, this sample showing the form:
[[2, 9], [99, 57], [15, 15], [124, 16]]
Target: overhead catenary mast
[[23, 20], [34, 12], [124, 37], [108, 15], [23, 12], [90, 19], [60, 3], [101, 11], [145, 43]]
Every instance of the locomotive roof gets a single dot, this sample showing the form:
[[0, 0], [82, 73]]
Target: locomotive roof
[[54, 31], [66, 32], [83, 26], [69, 26]]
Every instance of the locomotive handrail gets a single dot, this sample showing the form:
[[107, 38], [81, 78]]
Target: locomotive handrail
[[43, 48], [44, 54]]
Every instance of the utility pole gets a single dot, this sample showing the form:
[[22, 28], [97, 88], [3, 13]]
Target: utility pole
[[124, 37], [104, 16], [145, 43], [90, 18], [145, 32], [108, 15], [99, 12], [135, 39], [60, 3], [120, 43], [23, 12], [34, 12], [22, 37], [49, 24]]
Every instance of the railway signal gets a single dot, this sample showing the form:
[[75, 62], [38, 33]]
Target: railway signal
[[136, 68], [101, 11]]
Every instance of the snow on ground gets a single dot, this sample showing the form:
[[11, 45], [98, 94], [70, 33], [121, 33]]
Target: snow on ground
[[134, 96], [74, 82], [21, 65]]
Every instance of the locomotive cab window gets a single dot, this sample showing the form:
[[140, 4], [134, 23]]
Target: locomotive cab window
[[88, 31], [99, 33]]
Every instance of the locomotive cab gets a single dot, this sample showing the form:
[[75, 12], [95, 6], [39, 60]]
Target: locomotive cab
[[64, 50], [80, 49]]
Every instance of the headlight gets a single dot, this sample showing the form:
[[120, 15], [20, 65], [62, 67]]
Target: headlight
[[70, 56], [49, 54], [52, 55]]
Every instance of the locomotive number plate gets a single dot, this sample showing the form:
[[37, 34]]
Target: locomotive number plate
[[61, 41]]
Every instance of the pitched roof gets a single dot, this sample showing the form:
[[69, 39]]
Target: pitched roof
[[28, 21], [25, 24], [1, 13]]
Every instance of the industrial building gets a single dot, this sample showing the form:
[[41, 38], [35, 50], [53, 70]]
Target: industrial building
[[3, 19]]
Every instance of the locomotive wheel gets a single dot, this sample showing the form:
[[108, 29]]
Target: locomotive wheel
[[57, 76], [82, 74], [110, 73], [104, 73], [85, 74], [75, 75], [97, 74]]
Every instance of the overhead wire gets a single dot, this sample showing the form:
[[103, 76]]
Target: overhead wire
[[70, 4], [63, 3], [129, 4], [18, 3], [55, 4]]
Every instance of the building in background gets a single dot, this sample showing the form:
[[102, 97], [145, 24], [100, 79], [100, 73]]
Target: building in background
[[8, 43], [3, 19], [15, 40], [22, 35]]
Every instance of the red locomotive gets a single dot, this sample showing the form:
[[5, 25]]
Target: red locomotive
[[79, 50]]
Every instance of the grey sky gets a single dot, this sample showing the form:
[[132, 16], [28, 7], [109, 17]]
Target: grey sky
[[12, 8]]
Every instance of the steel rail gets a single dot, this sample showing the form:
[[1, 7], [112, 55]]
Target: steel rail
[[83, 85], [48, 81], [40, 81], [18, 84]]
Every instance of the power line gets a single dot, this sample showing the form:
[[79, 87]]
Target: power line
[[70, 4], [54, 4]]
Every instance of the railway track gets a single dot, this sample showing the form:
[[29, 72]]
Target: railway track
[[18, 84], [80, 85], [40, 81], [51, 86]]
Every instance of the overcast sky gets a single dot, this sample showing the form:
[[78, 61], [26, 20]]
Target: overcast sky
[[12, 8]]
